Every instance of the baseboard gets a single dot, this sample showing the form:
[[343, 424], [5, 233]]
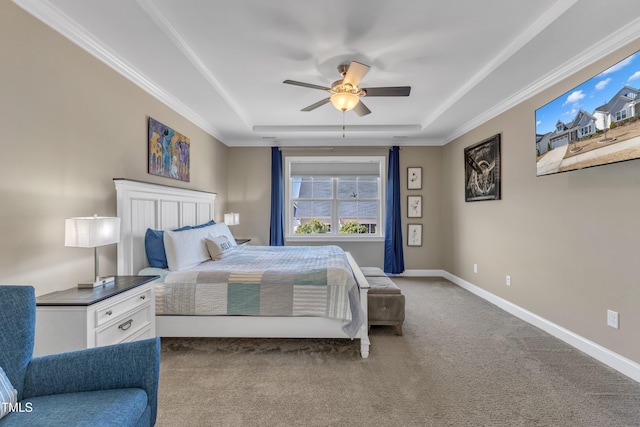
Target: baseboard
[[602, 354], [420, 273]]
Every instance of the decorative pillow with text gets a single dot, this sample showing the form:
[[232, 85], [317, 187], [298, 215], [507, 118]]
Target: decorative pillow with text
[[218, 246]]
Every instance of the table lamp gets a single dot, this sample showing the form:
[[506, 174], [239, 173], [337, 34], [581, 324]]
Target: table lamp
[[92, 232], [232, 218]]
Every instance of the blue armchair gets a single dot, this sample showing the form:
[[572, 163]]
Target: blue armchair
[[105, 386]]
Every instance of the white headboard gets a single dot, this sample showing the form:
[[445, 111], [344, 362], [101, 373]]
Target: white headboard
[[142, 205]]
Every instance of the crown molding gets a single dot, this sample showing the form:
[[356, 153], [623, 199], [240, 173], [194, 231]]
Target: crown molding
[[557, 10], [163, 23], [60, 22], [620, 38]]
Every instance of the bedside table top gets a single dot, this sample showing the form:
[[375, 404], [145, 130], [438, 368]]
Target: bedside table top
[[84, 297]]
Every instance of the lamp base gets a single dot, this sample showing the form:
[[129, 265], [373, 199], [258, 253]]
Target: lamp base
[[101, 281]]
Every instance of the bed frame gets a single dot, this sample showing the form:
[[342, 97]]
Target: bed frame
[[142, 205]]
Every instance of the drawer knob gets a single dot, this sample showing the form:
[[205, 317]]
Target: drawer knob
[[143, 297], [109, 313], [126, 325]]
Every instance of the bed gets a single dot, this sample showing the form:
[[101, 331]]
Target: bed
[[142, 206]]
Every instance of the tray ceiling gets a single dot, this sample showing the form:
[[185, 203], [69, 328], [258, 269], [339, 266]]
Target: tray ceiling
[[221, 64]]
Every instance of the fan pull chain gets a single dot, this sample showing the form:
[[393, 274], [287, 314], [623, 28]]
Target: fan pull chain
[[343, 124]]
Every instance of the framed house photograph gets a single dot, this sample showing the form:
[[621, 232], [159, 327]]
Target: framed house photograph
[[414, 235], [482, 170], [414, 206], [583, 127], [414, 178]]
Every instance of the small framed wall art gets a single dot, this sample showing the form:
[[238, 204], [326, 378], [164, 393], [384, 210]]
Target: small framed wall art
[[414, 235], [414, 178], [414, 206]]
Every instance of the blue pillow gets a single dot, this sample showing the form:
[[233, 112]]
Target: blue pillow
[[206, 224], [154, 244]]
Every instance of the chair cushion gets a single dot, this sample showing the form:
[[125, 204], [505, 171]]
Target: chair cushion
[[116, 407], [8, 394], [18, 320], [382, 285]]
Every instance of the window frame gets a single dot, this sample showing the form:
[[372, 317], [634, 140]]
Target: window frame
[[335, 235]]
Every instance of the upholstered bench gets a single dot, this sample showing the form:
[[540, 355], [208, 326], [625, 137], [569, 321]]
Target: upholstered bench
[[385, 301]]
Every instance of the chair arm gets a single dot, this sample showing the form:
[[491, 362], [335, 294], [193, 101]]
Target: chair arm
[[128, 365]]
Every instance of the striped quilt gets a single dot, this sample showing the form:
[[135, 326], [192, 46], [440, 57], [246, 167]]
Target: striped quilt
[[267, 281]]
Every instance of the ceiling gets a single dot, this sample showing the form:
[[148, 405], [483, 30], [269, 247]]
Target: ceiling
[[221, 64]]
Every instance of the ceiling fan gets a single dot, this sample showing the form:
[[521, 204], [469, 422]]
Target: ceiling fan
[[345, 93]]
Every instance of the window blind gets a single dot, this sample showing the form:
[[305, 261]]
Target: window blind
[[335, 169]]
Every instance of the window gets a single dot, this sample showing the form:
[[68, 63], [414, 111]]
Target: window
[[333, 197], [621, 115]]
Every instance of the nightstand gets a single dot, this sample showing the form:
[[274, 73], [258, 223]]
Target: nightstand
[[75, 318], [241, 242]]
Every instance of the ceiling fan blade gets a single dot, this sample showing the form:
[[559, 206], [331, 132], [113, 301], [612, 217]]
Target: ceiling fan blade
[[316, 105], [355, 73], [309, 85], [388, 91], [361, 109]]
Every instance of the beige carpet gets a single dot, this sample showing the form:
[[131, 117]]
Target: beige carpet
[[461, 362]]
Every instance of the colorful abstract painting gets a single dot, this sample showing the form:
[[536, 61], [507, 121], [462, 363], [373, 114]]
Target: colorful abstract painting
[[168, 152]]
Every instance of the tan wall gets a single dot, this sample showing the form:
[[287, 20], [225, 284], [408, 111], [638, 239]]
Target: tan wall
[[250, 195], [70, 125], [429, 255], [249, 192], [570, 241]]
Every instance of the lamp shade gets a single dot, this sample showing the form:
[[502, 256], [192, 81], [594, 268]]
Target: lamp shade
[[232, 218], [344, 101], [92, 231]]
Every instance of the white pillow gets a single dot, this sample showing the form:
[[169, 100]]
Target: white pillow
[[8, 394], [218, 246], [186, 249], [221, 229]]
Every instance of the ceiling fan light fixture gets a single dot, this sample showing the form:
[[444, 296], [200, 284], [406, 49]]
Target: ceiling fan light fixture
[[345, 101]]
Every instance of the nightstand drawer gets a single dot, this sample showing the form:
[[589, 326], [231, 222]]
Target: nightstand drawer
[[125, 327], [142, 334], [112, 311]]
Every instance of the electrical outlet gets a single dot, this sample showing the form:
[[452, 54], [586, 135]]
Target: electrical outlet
[[612, 318], [475, 268], [508, 280]]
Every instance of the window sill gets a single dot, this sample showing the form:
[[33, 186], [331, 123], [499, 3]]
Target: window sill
[[331, 238]]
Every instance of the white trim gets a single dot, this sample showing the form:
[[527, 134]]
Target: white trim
[[346, 159], [598, 352], [164, 24], [421, 273], [48, 13], [60, 22], [622, 37], [547, 18], [331, 239]]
